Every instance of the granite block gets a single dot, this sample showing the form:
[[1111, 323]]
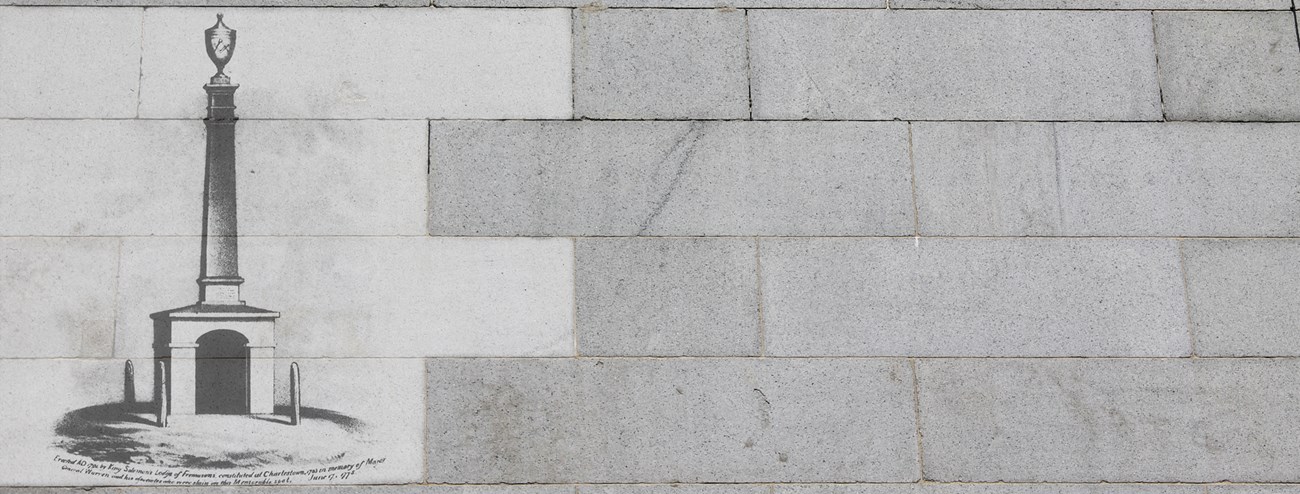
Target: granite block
[[660, 64], [1093, 4], [670, 420], [1109, 420], [590, 178], [1244, 296], [1179, 179], [667, 297], [986, 179], [973, 297], [1238, 66], [953, 65]]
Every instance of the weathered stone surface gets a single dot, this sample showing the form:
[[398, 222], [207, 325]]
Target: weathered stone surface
[[101, 177], [940, 488], [57, 296], [660, 64], [668, 297], [1253, 489], [225, 3], [670, 420], [670, 178], [985, 178], [32, 410], [435, 63], [1093, 4], [1179, 179], [1115, 420], [1244, 296], [69, 63], [332, 178], [677, 4], [146, 177], [380, 489], [673, 489], [372, 296], [137, 177], [384, 394], [1229, 65], [1109, 179], [973, 297], [949, 65]]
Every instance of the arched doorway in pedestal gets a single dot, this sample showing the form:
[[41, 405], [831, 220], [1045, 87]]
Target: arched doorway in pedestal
[[221, 373]]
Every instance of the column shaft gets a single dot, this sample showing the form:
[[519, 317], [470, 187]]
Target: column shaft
[[219, 274]]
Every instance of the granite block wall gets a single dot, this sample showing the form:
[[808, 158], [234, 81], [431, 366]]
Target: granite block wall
[[668, 246]]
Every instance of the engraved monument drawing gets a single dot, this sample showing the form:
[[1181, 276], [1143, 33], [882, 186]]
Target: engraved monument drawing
[[220, 349], [214, 418]]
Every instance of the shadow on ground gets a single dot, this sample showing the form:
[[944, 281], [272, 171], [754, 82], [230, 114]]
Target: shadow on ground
[[128, 433]]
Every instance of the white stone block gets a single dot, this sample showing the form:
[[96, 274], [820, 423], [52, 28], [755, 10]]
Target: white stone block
[[57, 296], [365, 63], [372, 296], [70, 62]]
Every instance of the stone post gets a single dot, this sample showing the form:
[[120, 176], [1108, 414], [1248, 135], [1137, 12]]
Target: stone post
[[128, 384], [295, 395], [162, 394]]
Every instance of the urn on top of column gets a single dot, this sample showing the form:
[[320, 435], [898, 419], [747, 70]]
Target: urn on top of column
[[220, 42]]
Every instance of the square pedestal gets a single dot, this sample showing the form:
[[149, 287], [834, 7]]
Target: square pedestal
[[221, 358]]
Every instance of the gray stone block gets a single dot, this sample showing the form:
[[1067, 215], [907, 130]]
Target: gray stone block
[[145, 177], [1114, 179], [1244, 296], [670, 178], [343, 63], [1093, 4], [667, 297], [1179, 179], [224, 3], [660, 64], [948, 65], [1253, 489], [1113, 420], [359, 489], [69, 63], [676, 4], [943, 488], [986, 179], [973, 297], [673, 489], [57, 297], [1240, 66], [670, 420]]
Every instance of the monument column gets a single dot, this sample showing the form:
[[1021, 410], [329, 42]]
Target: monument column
[[219, 273], [177, 332]]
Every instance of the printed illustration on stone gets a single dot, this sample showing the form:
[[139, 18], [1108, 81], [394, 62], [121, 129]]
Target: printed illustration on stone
[[214, 373]]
